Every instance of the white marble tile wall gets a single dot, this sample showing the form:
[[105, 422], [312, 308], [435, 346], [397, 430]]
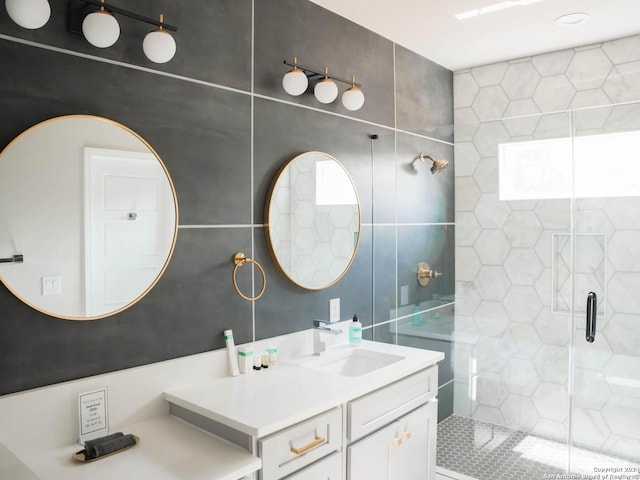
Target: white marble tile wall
[[512, 335]]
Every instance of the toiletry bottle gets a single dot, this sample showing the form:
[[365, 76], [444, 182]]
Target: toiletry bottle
[[355, 332], [231, 353], [273, 355], [264, 358], [245, 358], [257, 365]]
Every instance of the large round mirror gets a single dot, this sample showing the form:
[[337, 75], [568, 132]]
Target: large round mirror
[[88, 217], [313, 220]]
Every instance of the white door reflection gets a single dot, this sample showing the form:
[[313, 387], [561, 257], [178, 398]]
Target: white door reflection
[[126, 226]]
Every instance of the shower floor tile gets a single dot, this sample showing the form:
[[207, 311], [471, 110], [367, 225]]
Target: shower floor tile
[[491, 452]]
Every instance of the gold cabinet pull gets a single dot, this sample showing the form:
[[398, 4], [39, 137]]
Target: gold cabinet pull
[[407, 435], [397, 441], [315, 443]]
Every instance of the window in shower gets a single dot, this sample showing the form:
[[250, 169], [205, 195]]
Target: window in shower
[[605, 166]]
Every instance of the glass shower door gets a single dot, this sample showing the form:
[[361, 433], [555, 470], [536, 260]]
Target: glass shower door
[[605, 407]]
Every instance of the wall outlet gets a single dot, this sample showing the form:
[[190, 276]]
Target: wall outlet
[[51, 285], [404, 295], [334, 310]]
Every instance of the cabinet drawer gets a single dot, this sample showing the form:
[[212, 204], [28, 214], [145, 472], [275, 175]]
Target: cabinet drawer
[[329, 468], [295, 447], [368, 413]]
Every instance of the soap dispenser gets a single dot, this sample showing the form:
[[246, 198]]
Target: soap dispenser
[[355, 332]]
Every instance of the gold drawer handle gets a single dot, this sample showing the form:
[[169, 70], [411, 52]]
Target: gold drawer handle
[[397, 441], [407, 435], [316, 442]]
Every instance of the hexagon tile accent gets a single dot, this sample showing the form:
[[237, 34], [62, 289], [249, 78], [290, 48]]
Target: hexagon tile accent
[[513, 277]]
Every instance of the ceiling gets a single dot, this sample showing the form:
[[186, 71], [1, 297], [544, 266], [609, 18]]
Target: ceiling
[[428, 27]]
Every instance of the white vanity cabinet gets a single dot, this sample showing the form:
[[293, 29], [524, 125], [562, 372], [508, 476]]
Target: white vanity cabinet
[[317, 425], [403, 449]]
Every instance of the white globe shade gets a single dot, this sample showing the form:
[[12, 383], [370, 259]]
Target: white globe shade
[[29, 14], [295, 82], [101, 29], [326, 91], [353, 99], [159, 46]]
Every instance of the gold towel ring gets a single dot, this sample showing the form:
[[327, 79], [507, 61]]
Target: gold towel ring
[[240, 259]]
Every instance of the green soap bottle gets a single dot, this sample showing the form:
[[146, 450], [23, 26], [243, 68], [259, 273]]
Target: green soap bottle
[[355, 332]]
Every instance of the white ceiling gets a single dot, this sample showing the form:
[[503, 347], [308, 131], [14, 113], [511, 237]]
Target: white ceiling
[[429, 27]]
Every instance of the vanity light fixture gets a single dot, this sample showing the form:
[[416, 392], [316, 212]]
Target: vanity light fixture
[[102, 30], [296, 81], [29, 14]]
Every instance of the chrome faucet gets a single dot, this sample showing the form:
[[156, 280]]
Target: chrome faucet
[[319, 327]]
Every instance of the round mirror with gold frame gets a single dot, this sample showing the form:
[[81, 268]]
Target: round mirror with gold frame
[[88, 217], [313, 220]]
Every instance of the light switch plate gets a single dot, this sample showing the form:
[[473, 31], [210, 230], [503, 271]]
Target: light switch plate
[[334, 310], [404, 295]]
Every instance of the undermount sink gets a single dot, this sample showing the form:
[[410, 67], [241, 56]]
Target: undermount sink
[[352, 362]]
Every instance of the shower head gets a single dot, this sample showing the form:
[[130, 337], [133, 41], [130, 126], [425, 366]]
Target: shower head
[[438, 165]]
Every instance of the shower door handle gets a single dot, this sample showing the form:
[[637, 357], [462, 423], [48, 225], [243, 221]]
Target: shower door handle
[[592, 309]]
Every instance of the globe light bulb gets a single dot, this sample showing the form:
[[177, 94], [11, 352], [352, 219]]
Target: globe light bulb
[[326, 90], [159, 46], [295, 82], [353, 98], [101, 29], [29, 14]]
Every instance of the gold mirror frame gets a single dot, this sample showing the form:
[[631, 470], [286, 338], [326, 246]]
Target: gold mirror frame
[[170, 197], [270, 209]]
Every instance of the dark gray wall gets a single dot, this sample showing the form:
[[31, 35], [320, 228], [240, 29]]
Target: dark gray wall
[[204, 134]]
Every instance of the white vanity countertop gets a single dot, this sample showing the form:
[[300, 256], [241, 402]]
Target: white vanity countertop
[[169, 449], [39, 426], [266, 401], [11, 467]]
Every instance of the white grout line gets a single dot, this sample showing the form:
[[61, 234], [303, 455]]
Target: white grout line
[[187, 227], [262, 225], [253, 246], [395, 170], [386, 322], [95, 58]]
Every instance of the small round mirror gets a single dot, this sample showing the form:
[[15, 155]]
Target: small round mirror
[[88, 217], [313, 220]]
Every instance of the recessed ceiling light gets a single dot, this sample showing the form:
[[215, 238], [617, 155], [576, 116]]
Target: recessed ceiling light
[[572, 19]]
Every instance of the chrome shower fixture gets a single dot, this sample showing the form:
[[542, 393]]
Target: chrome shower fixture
[[438, 165]]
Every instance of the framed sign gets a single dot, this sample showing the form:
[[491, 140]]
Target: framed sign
[[93, 414]]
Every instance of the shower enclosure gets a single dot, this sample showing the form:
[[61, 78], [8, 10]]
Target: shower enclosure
[[547, 295]]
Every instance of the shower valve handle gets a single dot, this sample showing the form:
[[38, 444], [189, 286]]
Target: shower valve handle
[[425, 273]]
